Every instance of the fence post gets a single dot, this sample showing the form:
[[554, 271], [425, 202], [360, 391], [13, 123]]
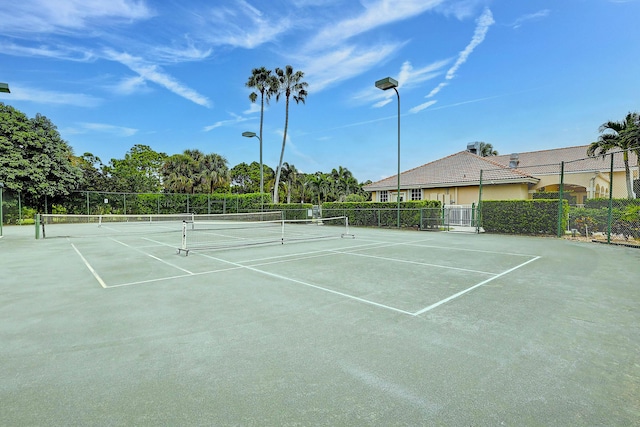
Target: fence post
[[479, 214], [609, 215], [561, 197]]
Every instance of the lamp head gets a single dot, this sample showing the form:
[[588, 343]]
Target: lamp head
[[386, 83], [249, 134]]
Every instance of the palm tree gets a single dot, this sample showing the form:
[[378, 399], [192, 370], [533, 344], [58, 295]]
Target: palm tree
[[617, 135], [290, 176], [486, 150], [290, 84], [213, 172], [264, 82]]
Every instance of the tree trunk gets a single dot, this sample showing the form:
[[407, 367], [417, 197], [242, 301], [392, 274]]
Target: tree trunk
[[276, 197]]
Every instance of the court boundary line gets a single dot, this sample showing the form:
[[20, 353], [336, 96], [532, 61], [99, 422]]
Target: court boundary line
[[91, 269], [484, 282], [295, 257]]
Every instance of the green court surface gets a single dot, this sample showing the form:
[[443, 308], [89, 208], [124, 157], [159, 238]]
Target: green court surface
[[390, 328]]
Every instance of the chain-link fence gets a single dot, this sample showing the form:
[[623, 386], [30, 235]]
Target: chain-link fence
[[597, 197]]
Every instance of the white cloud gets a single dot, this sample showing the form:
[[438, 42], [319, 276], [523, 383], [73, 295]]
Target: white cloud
[[461, 9], [343, 63], [532, 16], [376, 14], [221, 123], [483, 23], [39, 96], [382, 103], [154, 73], [422, 106], [111, 129], [45, 16], [254, 107], [436, 89]]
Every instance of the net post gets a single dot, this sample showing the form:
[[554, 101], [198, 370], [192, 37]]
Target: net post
[[183, 243], [37, 222], [282, 231]]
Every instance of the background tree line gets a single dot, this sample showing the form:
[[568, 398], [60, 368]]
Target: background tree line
[[37, 163]]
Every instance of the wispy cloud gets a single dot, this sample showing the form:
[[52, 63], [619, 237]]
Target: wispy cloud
[[408, 78], [236, 119], [39, 96], [376, 14], [483, 23], [344, 63], [44, 16], [422, 106], [242, 26], [461, 9], [155, 74], [530, 17], [110, 129]]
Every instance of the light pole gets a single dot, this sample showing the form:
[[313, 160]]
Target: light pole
[[1, 218], [253, 135], [386, 84]]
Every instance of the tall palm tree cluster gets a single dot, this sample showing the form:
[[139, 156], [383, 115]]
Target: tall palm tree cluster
[[280, 83], [299, 187], [194, 172], [619, 136]]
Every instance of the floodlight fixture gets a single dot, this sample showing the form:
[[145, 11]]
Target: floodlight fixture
[[387, 83], [4, 87]]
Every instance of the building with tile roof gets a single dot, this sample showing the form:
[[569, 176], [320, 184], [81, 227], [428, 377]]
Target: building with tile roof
[[456, 179]]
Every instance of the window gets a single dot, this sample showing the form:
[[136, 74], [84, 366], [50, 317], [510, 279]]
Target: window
[[416, 194], [384, 196]]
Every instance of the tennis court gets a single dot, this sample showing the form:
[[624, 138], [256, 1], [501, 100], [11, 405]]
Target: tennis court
[[365, 327]]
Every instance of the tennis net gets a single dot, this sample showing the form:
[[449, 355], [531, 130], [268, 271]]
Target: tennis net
[[67, 225], [209, 235]]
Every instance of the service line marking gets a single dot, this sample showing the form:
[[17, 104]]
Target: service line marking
[[454, 296], [300, 282], [152, 256]]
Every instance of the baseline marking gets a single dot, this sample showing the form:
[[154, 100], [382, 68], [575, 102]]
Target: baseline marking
[[95, 274], [454, 296]]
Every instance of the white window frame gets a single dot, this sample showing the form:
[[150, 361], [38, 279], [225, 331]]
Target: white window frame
[[383, 196], [416, 194]]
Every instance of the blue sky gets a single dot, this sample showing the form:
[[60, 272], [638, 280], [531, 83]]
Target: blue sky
[[521, 75]]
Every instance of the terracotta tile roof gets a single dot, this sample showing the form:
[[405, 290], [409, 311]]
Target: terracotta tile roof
[[458, 169], [464, 168], [576, 160]]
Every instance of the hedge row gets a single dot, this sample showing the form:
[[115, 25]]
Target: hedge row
[[523, 216], [383, 214]]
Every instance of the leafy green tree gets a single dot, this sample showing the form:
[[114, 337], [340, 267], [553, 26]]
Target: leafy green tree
[[617, 135], [213, 173], [486, 150], [139, 171], [290, 84], [94, 172], [34, 159]]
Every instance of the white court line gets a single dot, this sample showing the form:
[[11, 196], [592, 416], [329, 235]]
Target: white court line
[[95, 274], [300, 282], [432, 306], [152, 256], [426, 264], [181, 276], [447, 248]]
